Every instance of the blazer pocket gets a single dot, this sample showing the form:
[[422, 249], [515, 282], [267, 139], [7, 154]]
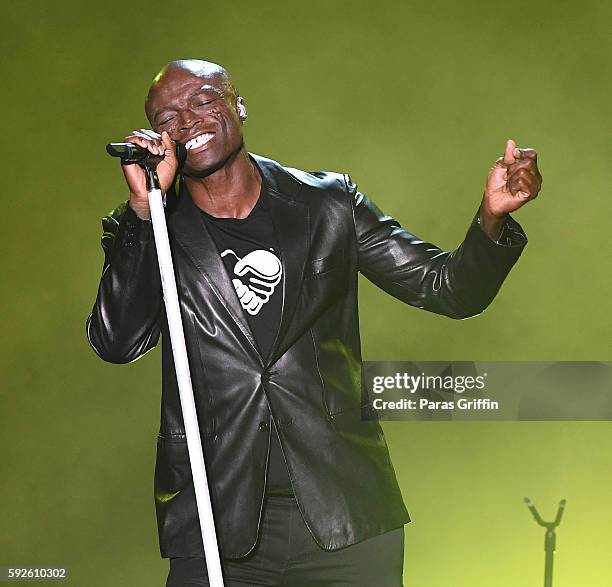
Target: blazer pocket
[[172, 468], [359, 422], [320, 267]]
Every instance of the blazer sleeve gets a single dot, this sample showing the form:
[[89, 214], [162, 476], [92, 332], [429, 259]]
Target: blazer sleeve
[[126, 317], [458, 284]]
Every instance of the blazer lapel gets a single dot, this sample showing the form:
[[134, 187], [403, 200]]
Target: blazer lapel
[[290, 217]]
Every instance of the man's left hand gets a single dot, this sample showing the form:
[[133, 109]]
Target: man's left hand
[[512, 182]]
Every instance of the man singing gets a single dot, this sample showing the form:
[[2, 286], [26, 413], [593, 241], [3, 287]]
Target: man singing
[[266, 261]]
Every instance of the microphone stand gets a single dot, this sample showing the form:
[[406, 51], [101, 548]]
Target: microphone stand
[[549, 537], [181, 364]]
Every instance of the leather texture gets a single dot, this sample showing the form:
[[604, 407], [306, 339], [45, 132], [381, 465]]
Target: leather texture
[[336, 453]]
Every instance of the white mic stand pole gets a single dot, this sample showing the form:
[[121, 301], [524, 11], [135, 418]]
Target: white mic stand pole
[[181, 364]]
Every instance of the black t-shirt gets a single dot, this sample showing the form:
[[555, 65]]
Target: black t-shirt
[[249, 250]]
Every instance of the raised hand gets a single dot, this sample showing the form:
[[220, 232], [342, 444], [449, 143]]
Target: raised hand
[[166, 169], [513, 181]]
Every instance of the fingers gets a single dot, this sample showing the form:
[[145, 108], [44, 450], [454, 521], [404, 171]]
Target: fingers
[[508, 157], [160, 145], [169, 146], [249, 301], [523, 175], [526, 154], [519, 164], [154, 147], [513, 180], [528, 165], [147, 139], [154, 142], [512, 154], [147, 134], [519, 184], [167, 141], [526, 182]]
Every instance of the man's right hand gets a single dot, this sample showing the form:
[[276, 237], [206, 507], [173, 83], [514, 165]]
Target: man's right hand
[[135, 175]]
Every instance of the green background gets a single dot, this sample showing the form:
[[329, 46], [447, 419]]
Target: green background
[[415, 100]]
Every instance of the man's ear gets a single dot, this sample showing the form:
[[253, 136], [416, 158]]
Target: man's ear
[[242, 111]]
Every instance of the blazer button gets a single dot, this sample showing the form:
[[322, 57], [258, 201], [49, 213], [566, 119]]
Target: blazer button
[[267, 376], [263, 426]]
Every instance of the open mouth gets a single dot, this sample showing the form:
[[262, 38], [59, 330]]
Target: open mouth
[[199, 141]]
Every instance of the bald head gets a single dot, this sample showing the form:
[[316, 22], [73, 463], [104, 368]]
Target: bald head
[[196, 103], [206, 70]]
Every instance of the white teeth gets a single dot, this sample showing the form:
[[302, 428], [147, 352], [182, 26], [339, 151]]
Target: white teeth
[[199, 140]]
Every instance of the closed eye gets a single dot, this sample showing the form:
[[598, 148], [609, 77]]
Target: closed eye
[[206, 102]]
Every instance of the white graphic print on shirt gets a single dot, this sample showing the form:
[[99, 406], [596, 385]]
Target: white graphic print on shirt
[[261, 271]]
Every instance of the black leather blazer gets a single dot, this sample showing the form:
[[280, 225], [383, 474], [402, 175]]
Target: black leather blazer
[[310, 384]]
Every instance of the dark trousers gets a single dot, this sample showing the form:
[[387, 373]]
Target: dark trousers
[[286, 555]]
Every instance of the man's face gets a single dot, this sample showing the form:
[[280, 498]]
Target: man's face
[[200, 112]]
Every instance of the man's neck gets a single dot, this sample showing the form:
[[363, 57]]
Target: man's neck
[[229, 192]]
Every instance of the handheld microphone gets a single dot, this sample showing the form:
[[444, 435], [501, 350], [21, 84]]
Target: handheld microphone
[[130, 153]]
